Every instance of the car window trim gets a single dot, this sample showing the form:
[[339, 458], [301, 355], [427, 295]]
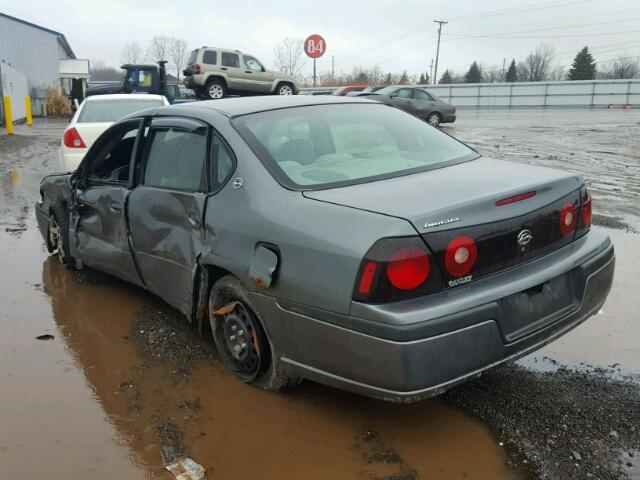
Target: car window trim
[[186, 124], [82, 176], [214, 185]]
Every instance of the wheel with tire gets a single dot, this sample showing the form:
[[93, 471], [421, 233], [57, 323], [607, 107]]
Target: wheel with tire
[[215, 89], [242, 342], [284, 89], [58, 234], [434, 119]]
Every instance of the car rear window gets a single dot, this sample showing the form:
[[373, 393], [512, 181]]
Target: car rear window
[[330, 145], [112, 110], [192, 57]]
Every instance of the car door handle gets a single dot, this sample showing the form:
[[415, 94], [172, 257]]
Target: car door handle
[[248, 71], [193, 220], [115, 207], [223, 68]]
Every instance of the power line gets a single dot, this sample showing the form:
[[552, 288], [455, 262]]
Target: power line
[[543, 36], [522, 9]]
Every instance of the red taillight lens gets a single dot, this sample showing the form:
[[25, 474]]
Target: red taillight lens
[[408, 268], [568, 219], [396, 269], [586, 210], [196, 69], [72, 139], [460, 256]]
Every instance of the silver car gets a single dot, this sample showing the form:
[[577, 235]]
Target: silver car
[[416, 101], [334, 239]]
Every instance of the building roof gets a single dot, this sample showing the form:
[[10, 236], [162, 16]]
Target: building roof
[[61, 38]]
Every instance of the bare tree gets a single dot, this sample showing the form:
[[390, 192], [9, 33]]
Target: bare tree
[[538, 64], [621, 68], [131, 53], [494, 74], [178, 53], [158, 48], [289, 56]]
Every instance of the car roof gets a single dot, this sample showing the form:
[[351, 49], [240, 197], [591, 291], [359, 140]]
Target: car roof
[[233, 107], [124, 96]]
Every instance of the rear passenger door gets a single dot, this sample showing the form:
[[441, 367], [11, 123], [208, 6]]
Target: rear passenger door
[[230, 64], [423, 103], [166, 209]]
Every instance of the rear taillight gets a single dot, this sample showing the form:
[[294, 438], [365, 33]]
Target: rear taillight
[[460, 256], [585, 214], [72, 139], [396, 269], [568, 219], [196, 69]]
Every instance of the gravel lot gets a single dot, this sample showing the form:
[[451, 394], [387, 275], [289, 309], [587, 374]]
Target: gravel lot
[[125, 379]]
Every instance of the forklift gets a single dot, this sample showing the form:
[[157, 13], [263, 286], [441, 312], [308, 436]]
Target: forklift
[[141, 79]]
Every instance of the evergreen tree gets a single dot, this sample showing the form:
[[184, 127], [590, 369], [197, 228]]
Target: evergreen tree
[[404, 78], [583, 67], [446, 78], [388, 79], [422, 81], [512, 72], [474, 75]]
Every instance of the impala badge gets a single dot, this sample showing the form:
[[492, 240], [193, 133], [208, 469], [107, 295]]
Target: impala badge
[[524, 238]]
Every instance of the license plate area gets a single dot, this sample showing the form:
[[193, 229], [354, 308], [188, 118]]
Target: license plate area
[[525, 312]]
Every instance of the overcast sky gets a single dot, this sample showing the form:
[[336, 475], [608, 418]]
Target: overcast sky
[[394, 34]]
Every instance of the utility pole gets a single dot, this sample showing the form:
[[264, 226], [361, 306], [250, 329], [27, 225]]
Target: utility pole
[[440, 23], [504, 62], [333, 66], [431, 73]]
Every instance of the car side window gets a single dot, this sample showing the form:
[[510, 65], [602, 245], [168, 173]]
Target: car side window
[[421, 95], [222, 162], [112, 161], [251, 63], [230, 60], [176, 159], [403, 93], [210, 57]]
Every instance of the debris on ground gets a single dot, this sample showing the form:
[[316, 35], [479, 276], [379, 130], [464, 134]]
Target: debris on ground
[[181, 467], [166, 336], [46, 336], [568, 424], [372, 450]]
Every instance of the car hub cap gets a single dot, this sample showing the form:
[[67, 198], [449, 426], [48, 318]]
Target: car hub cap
[[215, 91], [241, 341], [285, 90], [55, 238], [434, 120]]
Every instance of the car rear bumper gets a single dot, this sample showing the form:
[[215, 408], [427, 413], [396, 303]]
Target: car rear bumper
[[448, 118], [335, 350]]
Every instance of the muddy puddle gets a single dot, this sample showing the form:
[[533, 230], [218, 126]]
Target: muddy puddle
[[102, 397]]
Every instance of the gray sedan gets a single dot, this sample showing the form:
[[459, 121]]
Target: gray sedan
[[416, 101], [334, 239]]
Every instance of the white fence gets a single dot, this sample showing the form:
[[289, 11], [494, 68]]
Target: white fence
[[580, 93], [14, 85]]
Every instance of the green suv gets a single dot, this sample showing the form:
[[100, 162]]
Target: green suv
[[215, 73]]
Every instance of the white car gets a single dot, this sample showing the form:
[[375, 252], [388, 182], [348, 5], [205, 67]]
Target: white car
[[94, 116]]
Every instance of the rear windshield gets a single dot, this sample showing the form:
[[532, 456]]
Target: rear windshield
[[112, 110], [331, 145], [192, 57]]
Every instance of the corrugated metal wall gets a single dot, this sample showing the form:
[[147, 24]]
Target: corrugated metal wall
[[14, 85], [585, 93], [30, 50]]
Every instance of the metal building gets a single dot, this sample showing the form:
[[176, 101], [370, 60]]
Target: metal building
[[33, 51]]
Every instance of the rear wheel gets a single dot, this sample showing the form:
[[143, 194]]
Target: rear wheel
[[242, 342], [284, 89], [58, 234], [434, 119], [215, 89]]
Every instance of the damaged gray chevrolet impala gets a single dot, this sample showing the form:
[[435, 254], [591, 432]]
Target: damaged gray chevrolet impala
[[334, 239]]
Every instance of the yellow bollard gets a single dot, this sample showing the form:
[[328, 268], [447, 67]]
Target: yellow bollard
[[7, 115], [27, 106]]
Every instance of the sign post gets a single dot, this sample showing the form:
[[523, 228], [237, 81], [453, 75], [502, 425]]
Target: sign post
[[314, 47]]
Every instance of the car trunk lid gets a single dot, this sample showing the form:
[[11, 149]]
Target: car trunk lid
[[90, 131], [465, 200]]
